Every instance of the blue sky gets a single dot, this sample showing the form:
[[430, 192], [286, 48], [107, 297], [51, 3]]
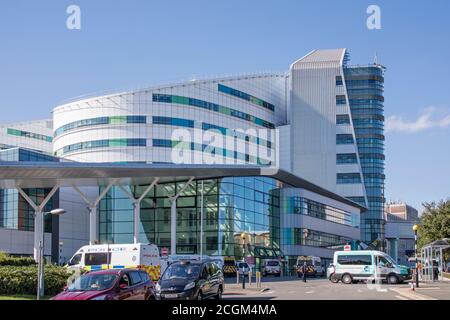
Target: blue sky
[[125, 44]]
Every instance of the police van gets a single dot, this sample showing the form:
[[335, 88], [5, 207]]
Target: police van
[[313, 266], [352, 266], [120, 256]]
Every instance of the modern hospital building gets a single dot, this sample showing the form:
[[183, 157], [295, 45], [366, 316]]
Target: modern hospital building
[[312, 139]]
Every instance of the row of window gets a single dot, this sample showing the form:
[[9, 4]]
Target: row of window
[[102, 144], [246, 96], [31, 135], [312, 238], [164, 98], [300, 205], [100, 121], [236, 133], [207, 126], [165, 143], [178, 122]]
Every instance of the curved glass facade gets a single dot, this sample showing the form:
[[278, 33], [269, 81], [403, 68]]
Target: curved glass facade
[[232, 207], [365, 92]]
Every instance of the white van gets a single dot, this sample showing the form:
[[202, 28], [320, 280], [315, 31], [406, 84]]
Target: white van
[[271, 267], [120, 256], [350, 266]]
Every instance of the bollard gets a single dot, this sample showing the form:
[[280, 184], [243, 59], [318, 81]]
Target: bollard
[[258, 279], [237, 277], [250, 278]]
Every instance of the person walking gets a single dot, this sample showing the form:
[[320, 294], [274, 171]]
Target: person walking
[[304, 271]]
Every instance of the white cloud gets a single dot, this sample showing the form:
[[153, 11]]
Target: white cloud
[[427, 120]]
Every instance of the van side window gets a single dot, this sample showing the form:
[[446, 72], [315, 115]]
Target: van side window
[[96, 259], [75, 260], [355, 260]]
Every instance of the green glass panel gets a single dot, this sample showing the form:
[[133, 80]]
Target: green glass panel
[[118, 119], [118, 143], [180, 100], [14, 132]]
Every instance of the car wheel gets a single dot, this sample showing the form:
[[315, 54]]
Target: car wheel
[[347, 279], [392, 279], [219, 293]]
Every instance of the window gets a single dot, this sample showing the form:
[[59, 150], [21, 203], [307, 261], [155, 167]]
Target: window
[[173, 122], [100, 121], [75, 260], [96, 259], [342, 119], [163, 98], [135, 277], [245, 96], [346, 158], [341, 100], [339, 81], [358, 260], [344, 139], [348, 178]]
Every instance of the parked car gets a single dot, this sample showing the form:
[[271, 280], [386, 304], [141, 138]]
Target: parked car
[[191, 280], [123, 284]]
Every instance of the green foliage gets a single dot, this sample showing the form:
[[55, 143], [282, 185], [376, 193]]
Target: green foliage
[[435, 223], [16, 280], [7, 260]]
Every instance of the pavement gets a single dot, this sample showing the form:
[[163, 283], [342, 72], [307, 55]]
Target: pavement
[[292, 288]]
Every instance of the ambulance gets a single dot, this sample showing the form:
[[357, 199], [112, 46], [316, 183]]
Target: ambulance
[[120, 256]]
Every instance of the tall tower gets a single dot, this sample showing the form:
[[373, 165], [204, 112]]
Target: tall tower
[[337, 131]]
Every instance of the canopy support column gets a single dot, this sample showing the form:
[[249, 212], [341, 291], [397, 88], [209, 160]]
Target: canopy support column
[[92, 206], [38, 219], [137, 207], [173, 217]]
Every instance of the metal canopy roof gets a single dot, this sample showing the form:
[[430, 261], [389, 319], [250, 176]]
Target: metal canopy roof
[[48, 174]]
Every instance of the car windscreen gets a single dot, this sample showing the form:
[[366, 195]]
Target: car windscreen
[[93, 282], [181, 271], [272, 263], [243, 265]]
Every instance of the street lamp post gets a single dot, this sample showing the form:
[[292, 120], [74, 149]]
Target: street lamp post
[[40, 288], [243, 260], [415, 228]]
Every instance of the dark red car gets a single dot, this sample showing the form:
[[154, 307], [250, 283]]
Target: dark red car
[[123, 284]]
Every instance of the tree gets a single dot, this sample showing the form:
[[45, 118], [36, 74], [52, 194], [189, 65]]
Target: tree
[[434, 223]]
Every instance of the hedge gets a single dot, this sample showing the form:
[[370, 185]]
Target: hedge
[[6, 260], [17, 280]]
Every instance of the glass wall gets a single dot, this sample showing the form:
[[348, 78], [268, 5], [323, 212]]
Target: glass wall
[[15, 212], [233, 207]]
